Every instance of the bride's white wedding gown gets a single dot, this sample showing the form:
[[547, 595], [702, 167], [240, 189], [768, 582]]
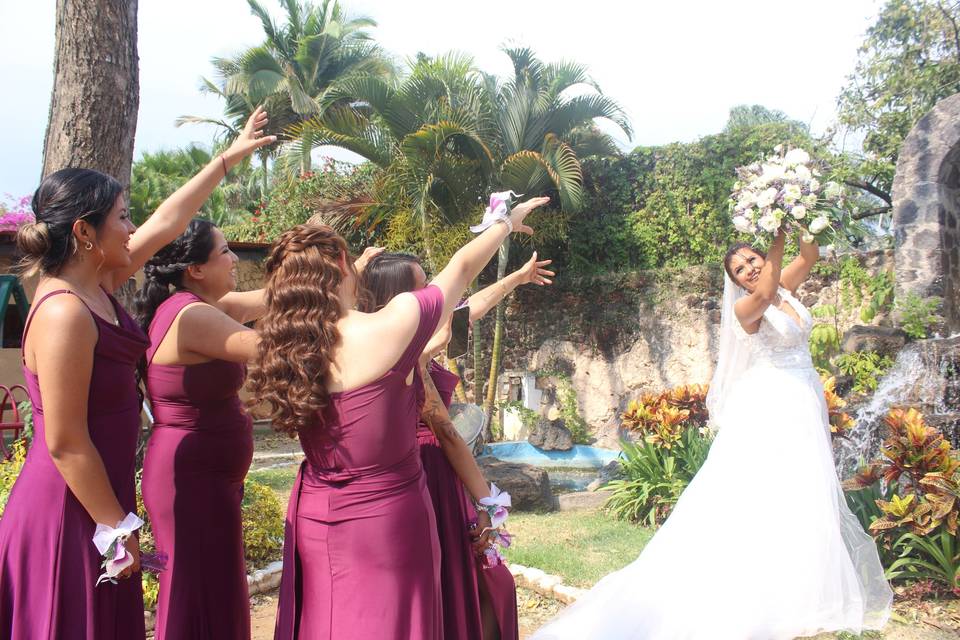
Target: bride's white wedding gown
[[761, 545]]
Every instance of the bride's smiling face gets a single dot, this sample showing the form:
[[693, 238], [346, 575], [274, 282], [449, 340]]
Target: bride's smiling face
[[744, 267]]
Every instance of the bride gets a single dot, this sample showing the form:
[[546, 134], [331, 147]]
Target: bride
[[761, 545]]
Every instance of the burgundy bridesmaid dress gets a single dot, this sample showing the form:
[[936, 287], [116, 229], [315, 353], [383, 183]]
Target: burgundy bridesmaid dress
[[462, 575], [48, 562], [199, 452], [361, 558]]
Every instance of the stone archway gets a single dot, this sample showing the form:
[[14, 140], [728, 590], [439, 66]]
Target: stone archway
[[926, 209]]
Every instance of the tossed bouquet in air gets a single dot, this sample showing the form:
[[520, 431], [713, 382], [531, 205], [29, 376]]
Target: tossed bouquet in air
[[784, 192]]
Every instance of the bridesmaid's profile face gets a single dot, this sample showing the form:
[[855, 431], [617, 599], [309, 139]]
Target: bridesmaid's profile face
[[220, 269], [113, 236], [745, 266]]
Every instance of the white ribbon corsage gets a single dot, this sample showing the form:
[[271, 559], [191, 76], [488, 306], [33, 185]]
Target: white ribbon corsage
[[110, 543], [497, 211]]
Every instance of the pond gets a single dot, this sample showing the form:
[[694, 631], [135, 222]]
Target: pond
[[581, 456]]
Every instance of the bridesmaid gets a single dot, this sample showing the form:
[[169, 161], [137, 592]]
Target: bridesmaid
[[476, 603], [361, 557], [201, 445], [80, 353]]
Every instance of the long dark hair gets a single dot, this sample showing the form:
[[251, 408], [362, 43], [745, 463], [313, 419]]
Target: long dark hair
[[167, 266], [732, 251], [62, 198], [386, 276], [298, 331]]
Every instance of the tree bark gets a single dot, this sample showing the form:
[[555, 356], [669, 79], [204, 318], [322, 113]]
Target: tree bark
[[497, 349], [96, 88]]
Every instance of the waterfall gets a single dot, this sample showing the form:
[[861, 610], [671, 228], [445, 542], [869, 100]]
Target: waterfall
[[925, 376]]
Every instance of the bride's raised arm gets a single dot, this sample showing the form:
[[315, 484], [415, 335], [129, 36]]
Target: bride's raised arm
[[797, 271], [763, 292]]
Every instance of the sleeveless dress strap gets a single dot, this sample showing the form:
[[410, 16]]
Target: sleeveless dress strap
[[431, 308], [33, 312], [166, 313]]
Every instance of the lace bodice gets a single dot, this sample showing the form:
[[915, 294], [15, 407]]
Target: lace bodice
[[781, 342]]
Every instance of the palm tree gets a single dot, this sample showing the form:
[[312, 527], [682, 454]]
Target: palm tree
[[545, 115], [237, 109], [429, 133], [291, 72], [447, 134], [304, 59]]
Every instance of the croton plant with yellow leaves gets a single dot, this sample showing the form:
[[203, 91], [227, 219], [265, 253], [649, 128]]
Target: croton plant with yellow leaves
[[914, 489]]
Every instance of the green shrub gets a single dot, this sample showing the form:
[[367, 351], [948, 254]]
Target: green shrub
[[918, 315], [263, 522], [865, 367], [824, 337], [10, 469], [654, 475], [293, 201], [151, 590]]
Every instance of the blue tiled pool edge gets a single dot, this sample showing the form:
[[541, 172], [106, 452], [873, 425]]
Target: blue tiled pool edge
[[579, 457]]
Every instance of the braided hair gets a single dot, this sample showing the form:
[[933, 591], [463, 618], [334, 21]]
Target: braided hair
[[167, 266]]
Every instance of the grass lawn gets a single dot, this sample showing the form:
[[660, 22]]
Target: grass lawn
[[280, 479], [580, 546]]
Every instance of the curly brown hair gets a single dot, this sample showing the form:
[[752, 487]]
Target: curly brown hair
[[298, 332]]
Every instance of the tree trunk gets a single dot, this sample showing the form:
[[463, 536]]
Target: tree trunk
[[264, 187], [96, 88], [497, 349]]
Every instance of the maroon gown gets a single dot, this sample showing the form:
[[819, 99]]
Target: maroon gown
[[462, 576], [48, 562], [361, 557], [199, 452]]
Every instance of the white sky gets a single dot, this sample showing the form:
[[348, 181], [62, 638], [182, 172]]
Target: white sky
[[676, 66]]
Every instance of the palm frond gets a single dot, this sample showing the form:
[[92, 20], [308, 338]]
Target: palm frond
[[583, 109], [565, 170]]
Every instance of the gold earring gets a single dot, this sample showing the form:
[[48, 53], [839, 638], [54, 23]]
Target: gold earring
[[88, 245]]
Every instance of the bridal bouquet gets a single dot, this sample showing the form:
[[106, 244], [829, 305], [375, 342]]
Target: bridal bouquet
[[784, 192]]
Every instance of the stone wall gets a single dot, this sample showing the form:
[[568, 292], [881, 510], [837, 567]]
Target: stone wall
[[621, 337], [926, 208]]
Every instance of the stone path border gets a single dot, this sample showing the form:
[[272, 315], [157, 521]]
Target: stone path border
[[546, 584]]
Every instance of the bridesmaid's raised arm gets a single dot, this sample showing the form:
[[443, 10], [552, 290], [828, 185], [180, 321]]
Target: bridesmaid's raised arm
[[467, 263], [171, 217]]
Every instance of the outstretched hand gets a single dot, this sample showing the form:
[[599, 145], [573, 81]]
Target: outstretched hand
[[251, 138], [519, 212], [533, 271]]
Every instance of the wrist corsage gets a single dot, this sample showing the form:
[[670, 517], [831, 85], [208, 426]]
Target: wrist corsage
[[496, 506], [497, 211], [491, 555], [110, 542]]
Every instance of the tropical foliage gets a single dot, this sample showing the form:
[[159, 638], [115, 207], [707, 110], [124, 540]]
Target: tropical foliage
[[335, 187], [910, 501], [909, 60], [291, 72], [156, 176], [672, 444]]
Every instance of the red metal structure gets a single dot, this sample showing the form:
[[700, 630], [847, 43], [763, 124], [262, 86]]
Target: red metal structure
[[8, 401]]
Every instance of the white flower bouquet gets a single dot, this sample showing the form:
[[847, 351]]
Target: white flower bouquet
[[784, 192]]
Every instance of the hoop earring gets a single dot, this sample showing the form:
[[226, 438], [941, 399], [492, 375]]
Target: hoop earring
[[88, 246]]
